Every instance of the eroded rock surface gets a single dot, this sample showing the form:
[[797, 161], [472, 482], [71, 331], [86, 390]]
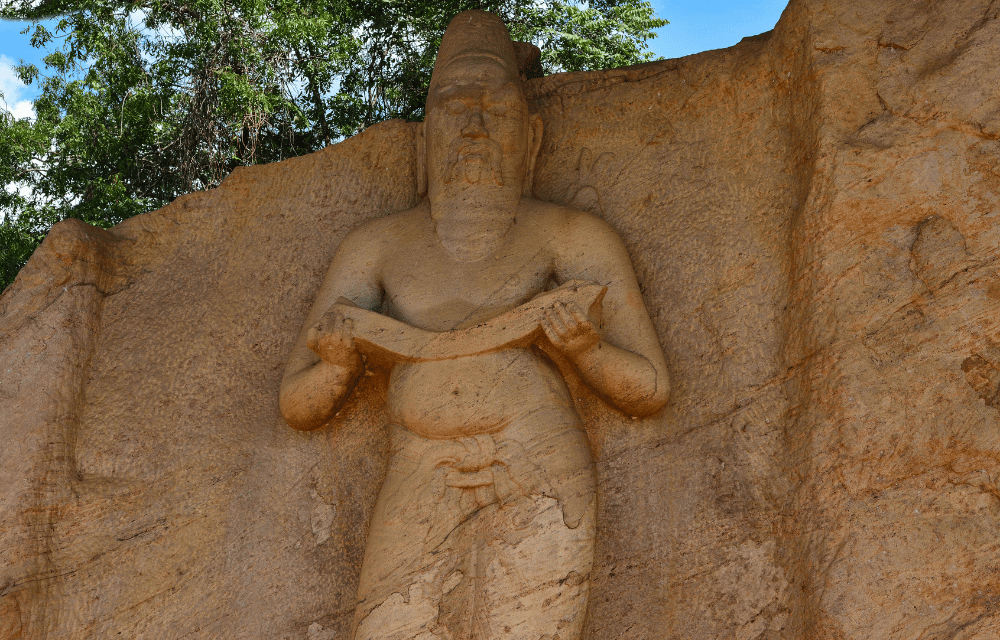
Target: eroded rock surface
[[812, 216]]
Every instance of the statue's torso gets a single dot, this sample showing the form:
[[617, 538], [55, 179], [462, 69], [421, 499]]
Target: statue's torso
[[469, 396], [427, 288]]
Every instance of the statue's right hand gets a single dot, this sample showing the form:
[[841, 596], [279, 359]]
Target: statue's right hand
[[331, 339]]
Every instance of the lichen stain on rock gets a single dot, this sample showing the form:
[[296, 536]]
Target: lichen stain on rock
[[984, 377]]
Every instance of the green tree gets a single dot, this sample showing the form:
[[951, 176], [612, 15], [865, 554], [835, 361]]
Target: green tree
[[144, 100]]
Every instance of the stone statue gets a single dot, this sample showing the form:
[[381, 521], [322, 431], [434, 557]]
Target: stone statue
[[485, 524]]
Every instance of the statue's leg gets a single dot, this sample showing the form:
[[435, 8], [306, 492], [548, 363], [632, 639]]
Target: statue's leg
[[482, 538], [542, 551], [400, 587]]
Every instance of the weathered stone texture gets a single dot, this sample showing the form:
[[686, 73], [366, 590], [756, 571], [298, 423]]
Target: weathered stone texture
[[813, 217]]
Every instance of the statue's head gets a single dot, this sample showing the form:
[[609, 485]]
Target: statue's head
[[479, 137]]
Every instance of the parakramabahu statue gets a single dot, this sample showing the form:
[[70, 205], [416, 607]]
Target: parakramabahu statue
[[485, 524]]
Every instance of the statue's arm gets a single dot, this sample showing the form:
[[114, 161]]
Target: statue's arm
[[324, 365], [622, 359]]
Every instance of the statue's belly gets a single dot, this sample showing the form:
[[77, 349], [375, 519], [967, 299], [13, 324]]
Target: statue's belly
[[473, 395]]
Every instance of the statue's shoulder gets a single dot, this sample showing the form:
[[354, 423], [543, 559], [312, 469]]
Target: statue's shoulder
[[568, 223], [384, 230]]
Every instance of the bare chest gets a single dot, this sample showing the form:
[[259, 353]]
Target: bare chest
[[427, 288]]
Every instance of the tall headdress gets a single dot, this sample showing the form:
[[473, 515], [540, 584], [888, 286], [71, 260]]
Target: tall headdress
[[472, 36], [475, 34]]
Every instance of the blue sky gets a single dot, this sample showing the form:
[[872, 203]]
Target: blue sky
[[700, 25], [695, 25]]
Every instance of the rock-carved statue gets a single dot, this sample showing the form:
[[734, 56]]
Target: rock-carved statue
[[485, 524]]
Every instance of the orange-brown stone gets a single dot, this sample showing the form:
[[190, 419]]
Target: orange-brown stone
[[812, 219]]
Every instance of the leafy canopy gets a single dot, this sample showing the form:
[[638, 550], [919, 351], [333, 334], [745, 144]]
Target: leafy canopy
[[144, 100]]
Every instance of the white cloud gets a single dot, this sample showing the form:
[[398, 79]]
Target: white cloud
[[13, 91]]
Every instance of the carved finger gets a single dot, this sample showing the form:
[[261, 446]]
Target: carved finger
[[551, 334], [578, 315], [557, 324], [567, 318], [348, 329]]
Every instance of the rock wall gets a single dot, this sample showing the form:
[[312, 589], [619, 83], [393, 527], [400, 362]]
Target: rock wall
[[812, 215], [895, 438]]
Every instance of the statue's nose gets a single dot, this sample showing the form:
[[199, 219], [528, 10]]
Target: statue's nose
[[475, 128]]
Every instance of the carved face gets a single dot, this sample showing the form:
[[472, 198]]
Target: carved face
[[477, 128]]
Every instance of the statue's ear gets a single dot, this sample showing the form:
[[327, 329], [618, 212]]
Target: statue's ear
[[534, 145], [421, 161]]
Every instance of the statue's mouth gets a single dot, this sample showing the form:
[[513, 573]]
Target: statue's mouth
[[477, 152], [475, 162], [479, 158]]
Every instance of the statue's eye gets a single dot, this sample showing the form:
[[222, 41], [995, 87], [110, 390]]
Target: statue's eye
[[455, 107], [499, 109]]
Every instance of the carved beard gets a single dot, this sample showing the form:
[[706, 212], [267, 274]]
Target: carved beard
[[461, 165]]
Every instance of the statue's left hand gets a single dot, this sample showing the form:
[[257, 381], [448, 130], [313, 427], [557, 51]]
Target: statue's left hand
[[332, 341], [569, 330]]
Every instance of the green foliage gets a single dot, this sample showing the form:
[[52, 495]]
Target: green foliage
[[144, 100]]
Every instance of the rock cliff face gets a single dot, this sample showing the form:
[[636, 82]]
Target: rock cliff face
[[813, 216]]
